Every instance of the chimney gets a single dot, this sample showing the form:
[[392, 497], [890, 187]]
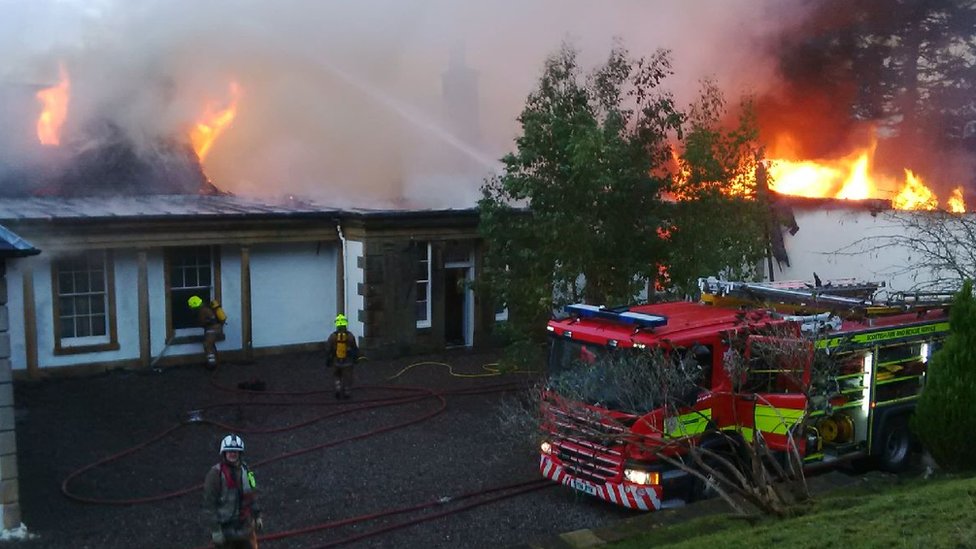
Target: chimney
[[459, 87]]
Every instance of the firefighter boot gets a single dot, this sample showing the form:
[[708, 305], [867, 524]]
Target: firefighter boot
[[211, 361], [338, 389]]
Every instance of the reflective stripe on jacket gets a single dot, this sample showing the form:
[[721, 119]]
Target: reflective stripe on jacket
[[230, 496]]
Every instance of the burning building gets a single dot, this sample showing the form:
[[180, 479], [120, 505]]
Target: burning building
[[129, 229]]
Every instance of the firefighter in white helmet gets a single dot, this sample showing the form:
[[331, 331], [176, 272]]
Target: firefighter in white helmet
[[342, 354], [230, 499]]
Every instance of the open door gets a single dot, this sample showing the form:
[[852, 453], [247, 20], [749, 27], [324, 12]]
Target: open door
[[455, 319]]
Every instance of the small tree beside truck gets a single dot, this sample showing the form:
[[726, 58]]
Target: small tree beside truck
[[802, 376]]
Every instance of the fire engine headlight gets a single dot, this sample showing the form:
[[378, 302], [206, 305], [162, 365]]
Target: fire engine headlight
[[642, 477], [545, 448]]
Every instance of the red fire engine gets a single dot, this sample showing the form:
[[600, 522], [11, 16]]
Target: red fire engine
[[860, 411]]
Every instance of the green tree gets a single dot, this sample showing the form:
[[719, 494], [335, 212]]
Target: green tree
[[580, 213], [580, 198], [717, 223], [912, 62], [944, 419]]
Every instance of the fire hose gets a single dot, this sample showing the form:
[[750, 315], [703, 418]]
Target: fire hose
[[414, 394]]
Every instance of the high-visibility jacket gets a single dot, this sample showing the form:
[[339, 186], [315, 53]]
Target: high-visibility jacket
[[230, 499]]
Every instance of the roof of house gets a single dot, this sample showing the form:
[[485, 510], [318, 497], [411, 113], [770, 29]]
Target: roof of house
[[809, 203], [152, 206], [12, 245], [169, 206]]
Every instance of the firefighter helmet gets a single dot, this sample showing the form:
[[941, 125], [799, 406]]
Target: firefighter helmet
[[231, 443], [341, 321], [194, 301]]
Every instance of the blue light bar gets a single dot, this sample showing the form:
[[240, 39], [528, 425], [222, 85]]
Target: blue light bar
[[625, 317]]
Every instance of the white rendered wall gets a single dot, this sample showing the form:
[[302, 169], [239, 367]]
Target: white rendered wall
[[15, 308], [293, 293], [126, 310], [354, 277], [831, 243], [230, 296]]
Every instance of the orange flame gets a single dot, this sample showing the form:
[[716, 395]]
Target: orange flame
[[55, 101], [742, 182], [956, 204], [915, 195], [852, 178], [213, 123]]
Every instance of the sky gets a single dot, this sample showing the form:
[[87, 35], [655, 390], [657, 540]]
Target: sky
[[341, 101]]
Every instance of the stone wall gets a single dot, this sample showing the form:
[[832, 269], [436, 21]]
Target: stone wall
[[9, 488]]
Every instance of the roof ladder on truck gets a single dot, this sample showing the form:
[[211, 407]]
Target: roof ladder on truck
[[849, 299]]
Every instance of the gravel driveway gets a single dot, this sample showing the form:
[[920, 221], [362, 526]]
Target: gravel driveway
[[66, 424]]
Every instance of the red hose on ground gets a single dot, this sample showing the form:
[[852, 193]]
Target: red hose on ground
[[183, 491], [362, 405], [517, 489], [418, 394]]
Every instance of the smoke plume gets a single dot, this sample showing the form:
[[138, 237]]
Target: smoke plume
[[343, 102]]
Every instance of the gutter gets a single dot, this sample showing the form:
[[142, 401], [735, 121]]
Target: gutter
[[341, 301]]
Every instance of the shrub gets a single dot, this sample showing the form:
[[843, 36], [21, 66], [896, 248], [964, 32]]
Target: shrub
[[944, 420]]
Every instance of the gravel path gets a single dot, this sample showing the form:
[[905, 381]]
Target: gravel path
[[65, 424]]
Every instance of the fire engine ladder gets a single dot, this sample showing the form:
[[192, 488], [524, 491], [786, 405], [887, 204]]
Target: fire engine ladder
[[847, 298]]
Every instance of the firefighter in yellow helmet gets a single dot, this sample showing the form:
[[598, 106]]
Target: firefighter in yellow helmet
[[342, 354], [211, 318]]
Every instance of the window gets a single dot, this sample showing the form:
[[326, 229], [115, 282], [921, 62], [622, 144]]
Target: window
[[84, 303], [189, 272], [423, 286]]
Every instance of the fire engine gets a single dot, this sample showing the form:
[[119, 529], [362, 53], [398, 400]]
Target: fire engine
[[857, 410]]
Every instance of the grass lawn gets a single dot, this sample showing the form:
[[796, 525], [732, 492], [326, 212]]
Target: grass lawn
[[911, 512]]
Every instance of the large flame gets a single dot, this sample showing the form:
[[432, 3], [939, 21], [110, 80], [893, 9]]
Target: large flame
[[213, 122], [956, 204], [55, 101], [852, 177], [915, 195]]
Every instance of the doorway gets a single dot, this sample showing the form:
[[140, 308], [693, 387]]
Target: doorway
[[458, 305]]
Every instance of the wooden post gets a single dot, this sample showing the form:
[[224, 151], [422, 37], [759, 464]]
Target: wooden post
[[30, 324], [145, 340], [246, 326]]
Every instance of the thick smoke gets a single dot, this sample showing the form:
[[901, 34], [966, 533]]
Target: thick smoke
[[341, 101], [841, 82]]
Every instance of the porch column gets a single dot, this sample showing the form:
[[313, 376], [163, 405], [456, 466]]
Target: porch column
[[9, 486], [145, 341], [30, 323], [246, 342]]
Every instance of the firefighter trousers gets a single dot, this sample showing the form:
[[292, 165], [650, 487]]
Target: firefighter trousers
[[343, 379], [249, 543], [210, 335]]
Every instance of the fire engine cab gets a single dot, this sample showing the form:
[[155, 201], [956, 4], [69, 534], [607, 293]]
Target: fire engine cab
[[855, 409]]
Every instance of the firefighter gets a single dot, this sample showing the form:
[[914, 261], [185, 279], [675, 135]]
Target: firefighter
[[212, 324], [342, 355], [230, 499]]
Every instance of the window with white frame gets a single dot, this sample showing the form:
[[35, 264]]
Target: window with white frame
[[190, 271], [423, 285], [84, 303]]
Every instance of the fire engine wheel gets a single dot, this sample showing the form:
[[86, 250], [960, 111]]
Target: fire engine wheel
[[896, 449]]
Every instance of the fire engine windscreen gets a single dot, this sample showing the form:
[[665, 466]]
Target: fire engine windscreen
[[776, 365], [626, 379]]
